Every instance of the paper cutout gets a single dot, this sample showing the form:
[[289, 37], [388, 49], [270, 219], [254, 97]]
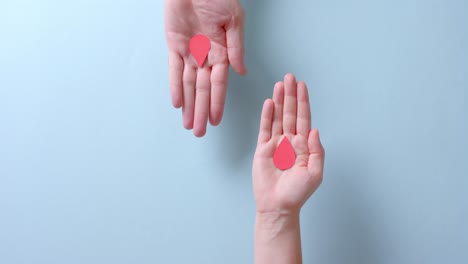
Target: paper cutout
[[199, 47], [284, 156]]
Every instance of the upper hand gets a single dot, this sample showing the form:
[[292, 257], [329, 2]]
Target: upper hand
[[201, 91]]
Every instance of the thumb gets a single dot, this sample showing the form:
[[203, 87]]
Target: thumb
[[316, 154], [235, 43]]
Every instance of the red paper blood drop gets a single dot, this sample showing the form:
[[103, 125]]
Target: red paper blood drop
[[284, 156], [199, 47]]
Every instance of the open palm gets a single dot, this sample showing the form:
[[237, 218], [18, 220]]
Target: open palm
[[287, 115], [201, 91]]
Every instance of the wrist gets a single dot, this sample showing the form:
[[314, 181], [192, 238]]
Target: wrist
[[277, 237], [277, 223]]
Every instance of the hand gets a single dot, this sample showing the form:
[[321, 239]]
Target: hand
[[201, 91], [288, 114]]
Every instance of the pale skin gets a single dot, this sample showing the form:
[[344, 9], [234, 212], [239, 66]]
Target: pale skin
[[279, 195], [201, 91]]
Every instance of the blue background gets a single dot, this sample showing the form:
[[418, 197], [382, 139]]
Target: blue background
[[95, 166]]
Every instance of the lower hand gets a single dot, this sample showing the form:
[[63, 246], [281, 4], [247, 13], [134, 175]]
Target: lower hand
[[288, 114]]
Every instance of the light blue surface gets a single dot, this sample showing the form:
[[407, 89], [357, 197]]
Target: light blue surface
[[95, 166]]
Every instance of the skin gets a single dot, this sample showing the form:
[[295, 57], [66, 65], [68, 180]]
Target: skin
[[279, 195], [201, 91]]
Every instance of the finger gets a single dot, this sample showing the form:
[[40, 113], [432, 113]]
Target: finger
[[278, 98], [176, 70], [266, 121], [303, 110], [190, 77], [219, 78], [235, 43], [290, 102], [316, 154], [202, 101]]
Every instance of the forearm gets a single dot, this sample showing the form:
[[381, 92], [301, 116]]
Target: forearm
[[277, 239]]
